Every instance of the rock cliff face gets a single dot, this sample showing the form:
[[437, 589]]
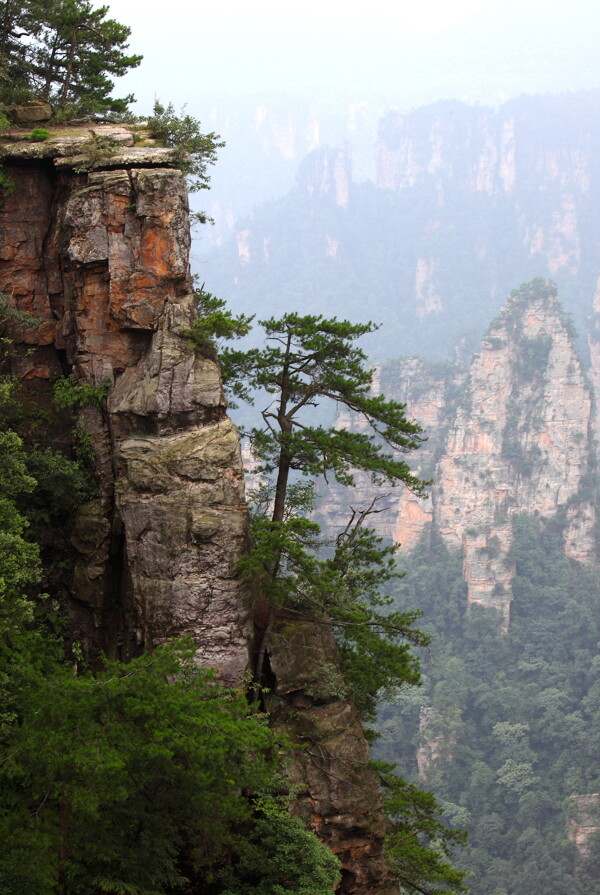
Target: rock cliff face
[[584, 821], [436, 742], [514, 435], [495, 153], [96, 249], [339, 797], [327, 173], [100, 258]]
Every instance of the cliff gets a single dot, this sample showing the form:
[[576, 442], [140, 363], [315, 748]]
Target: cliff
[[513, 435], [94, 245], [496, 153], [100, 259], [521, 443]]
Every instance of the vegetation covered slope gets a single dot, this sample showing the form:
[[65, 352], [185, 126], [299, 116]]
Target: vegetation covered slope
[[505, 727]]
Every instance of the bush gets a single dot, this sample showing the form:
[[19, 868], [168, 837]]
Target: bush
[[194, 150], [39, 134]]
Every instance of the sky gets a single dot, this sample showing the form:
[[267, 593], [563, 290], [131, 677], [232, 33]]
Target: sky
[[416, 52]]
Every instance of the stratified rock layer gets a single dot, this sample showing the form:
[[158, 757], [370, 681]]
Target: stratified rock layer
[[100, 259]]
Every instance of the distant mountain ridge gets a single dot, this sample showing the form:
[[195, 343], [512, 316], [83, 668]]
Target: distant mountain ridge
[[467, 202]]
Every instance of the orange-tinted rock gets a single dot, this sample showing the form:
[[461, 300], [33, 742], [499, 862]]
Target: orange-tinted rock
[[584, 821], [101, 260]]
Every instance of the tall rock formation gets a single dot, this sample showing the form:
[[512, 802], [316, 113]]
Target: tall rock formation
[[521, 443], [514, 435], [100, 259], [94, 246]]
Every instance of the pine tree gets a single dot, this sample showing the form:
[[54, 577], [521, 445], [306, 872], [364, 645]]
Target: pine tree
[[65, 52], [308, 360]]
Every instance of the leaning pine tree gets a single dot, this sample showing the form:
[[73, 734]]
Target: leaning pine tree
[[308, 360]]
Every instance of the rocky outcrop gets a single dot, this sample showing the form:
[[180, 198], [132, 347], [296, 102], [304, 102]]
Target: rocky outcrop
[[94, 246], [513, 436], [521, 443], [583, 822], [100, 258], [437, 741], [593, 340], [327, 173], [339, 796]]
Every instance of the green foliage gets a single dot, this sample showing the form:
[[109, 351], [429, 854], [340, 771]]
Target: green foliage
[[307, 360], [519, 711], [8, 313], [19, 559], [142, 778], [7, 185], [278, 855], [70, 394], [194, 150], [215, 322], [62, 484], [373, 638], [343, 591], [419, 845], [39, 134], [109, 776], [64, 51]]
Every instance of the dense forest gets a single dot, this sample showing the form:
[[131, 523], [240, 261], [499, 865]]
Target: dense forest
[[506, 724]]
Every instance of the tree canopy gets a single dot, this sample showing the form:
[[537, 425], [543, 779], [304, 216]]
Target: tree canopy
[[308, 359], [64, 51]]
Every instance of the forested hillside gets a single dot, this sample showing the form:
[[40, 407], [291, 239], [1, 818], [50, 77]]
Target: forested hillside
[[505, 726]]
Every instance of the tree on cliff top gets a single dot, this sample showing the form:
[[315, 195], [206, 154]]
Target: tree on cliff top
[[65, 52]]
